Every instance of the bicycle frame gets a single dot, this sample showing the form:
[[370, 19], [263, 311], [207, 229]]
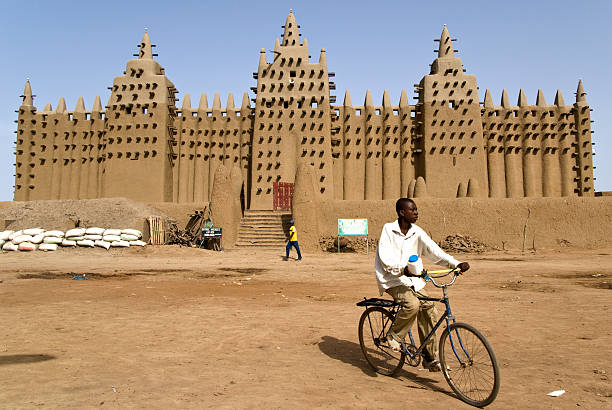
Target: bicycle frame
[[446, 316]]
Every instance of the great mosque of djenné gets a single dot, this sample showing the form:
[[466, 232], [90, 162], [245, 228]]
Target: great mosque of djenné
[[142, 146]]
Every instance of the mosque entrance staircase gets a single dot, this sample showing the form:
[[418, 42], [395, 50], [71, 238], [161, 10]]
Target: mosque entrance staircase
[[264, 229]]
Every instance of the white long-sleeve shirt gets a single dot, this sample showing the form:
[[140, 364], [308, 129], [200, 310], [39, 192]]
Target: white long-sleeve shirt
[[394, 249]]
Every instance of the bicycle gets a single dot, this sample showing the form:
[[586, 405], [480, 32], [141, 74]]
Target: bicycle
[[466, 357]]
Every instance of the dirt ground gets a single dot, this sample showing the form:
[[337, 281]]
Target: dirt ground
[[170, 327]]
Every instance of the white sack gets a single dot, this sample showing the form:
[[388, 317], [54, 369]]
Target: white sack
[[120, 244], [138, 243], [75, 232], [75, 238], [94, 231], [38, 239], [47, 247], [93, 237], [102, 244], [116, 232], [10, 246], [22, 238], [50, 240], [4, 235], [86, 242], [67, 242], [134, 232], [33, 231], [15, 234], [111, 238], [127, 237], [27, 246], [57, 234]]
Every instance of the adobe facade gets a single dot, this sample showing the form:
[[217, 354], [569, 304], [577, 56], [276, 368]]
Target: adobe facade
[[142, 146]]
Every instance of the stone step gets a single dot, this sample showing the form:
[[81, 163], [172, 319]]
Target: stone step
[[261, 243], [264, 229], [262, 219], [269, 217], [274, 236], [255, 230]]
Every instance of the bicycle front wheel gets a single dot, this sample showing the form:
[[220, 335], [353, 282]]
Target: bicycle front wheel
[[374, 325], [469, 365]]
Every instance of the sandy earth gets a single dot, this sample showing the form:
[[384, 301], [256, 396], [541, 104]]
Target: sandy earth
[[173, 327]]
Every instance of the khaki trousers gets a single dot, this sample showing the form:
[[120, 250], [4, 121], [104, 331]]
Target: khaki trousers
[[413, 308]]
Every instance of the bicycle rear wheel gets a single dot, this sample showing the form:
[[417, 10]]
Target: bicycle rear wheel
[[374, 325], [469, 365]]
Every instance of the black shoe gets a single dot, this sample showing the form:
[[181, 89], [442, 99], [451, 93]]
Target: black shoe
[[299, 259]]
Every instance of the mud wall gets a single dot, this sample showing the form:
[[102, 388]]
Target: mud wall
[[499, 223]]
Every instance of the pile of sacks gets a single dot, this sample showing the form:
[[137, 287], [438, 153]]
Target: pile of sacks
[[38, 238]]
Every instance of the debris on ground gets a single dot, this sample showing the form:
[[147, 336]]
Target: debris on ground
[[355, 244], [556, 393], [191, 235], [462, 244]]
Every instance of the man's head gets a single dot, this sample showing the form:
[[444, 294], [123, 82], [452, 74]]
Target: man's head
[[407, 210], [291, 222]]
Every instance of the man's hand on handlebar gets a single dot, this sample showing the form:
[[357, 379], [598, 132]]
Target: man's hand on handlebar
[[463, 266]]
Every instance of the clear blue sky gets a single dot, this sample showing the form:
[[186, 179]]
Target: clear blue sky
[[72, 48]]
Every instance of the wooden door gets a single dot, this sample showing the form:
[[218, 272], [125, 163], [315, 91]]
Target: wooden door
[[283, 195]]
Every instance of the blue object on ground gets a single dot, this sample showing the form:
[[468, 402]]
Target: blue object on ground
[[79, 277]]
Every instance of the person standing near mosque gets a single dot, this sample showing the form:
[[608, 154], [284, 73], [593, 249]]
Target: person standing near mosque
[[292, 242]]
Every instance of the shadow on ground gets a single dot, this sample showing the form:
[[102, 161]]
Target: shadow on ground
[[24, 358], [350, 353]]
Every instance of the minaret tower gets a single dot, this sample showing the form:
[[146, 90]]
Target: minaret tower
[[292, 118], [24, 171], [140, 131], [453, 146], [583, 148]]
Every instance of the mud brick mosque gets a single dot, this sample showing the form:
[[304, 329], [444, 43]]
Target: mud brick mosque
[[142, 146]]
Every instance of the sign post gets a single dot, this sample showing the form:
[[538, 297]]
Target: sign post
[[348, 227]]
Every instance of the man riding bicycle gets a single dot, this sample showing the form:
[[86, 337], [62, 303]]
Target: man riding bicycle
[[399, 241]]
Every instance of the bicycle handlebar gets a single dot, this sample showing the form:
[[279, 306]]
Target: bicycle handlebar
[[441, 274]]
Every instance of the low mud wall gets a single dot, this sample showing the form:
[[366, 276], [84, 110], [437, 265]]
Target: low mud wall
[[498, 223]]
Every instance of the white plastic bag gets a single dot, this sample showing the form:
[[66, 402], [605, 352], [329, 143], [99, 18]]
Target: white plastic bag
[[128, 237], [93, 237], [33, 231], [116, 232], [102, 244], [47, 247], [4, 235], [138, 243], [94, 231], [120, 244], [27, 246], [67, 242], [111, 238], [86, 242], [22, 238], [51, 240], [75, 232], [57, 234], [10, 246]]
